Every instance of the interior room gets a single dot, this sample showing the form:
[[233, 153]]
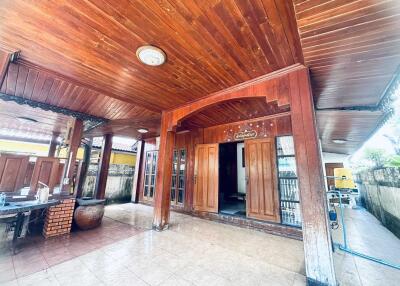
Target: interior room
[[232, 184]]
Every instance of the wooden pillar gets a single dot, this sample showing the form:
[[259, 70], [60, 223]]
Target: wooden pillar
[[74, 139], [164, 172], [53, 144], [138, 171], [102, 172], [316, 231], [84, 169]]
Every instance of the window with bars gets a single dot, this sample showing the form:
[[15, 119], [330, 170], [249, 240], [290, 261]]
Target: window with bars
[[150, 175], [178, 177], [288, 182]]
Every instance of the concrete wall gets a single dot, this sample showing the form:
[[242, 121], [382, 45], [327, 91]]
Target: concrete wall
[[119, 182], [380, 195]]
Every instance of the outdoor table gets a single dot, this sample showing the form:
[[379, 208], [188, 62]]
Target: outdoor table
[[19, 208]]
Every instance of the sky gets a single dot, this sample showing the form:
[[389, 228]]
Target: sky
[[378, 140]]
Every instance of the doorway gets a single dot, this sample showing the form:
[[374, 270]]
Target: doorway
[[232, 184]]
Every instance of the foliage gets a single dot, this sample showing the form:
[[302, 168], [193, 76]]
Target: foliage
[[394, 161], [376, 156], [394, 136]]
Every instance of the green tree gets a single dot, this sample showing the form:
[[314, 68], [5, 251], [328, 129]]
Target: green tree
[[376, 156]]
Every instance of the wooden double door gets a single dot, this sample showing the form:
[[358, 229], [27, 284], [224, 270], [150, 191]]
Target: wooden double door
[[262, 200]]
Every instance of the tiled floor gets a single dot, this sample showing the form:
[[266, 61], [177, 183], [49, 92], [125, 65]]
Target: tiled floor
[[368, 236], [192, 252]]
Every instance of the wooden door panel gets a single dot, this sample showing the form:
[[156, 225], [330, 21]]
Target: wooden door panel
[[206, 178], [46, 170], [262, 192], [12, 172]]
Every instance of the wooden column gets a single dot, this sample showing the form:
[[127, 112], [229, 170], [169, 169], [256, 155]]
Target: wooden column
[[164, 172], [84, 169], [102, 173], [74, 138], [53, 144], [316, 232], [138, 171]]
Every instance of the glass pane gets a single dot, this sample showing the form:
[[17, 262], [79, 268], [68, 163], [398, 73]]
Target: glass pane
[[153, 177], [285, 145], [181, 183], [180, 196], [146, 180], [148, 161], [287, 167], [173, 183], [154, 166], [289, 189], [182, 165], [146, 191], [291, 213], [172, 195], [151, 192]]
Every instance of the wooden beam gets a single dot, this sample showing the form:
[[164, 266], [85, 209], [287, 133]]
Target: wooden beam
[[102, 173], [138, 171], [4, 63], [316, 232], [164, 172], [53, 144], [74, 139]]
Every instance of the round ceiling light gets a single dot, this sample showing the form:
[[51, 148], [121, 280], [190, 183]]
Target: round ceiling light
[[151, 56], [339, 141], [143, 130]]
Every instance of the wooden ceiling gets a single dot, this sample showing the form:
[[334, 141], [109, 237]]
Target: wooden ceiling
[[47, 121], [80, 55], [210, 45], [232, 111], [37, 84], [352, 48]]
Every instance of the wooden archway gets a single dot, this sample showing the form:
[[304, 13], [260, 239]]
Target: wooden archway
[[275, 87]]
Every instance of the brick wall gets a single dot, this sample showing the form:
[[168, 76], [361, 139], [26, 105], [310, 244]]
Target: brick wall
[[59, 218]]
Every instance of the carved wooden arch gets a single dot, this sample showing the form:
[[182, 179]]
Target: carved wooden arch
[[274, 87]]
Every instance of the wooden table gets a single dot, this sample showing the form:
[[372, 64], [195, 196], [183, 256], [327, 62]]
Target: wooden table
[[19, 208]]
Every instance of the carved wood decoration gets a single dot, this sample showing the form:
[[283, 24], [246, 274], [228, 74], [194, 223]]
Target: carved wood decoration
[[274, 87], [46, 170], [13, 170], [205, 193], [262, 199]]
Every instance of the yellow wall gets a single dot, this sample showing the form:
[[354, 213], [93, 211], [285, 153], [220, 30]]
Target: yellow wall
[[42, 150]]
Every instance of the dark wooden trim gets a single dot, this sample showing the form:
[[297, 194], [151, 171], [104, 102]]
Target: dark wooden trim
[[316, 231], [102, 173], [48, 107], [138, 171]]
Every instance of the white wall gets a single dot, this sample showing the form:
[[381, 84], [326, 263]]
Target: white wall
[[241, 182]]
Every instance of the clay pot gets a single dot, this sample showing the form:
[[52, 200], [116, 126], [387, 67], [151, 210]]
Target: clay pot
[[89, 214]]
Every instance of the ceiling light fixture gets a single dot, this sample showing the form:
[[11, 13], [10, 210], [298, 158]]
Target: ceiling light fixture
[[339, 141], [151, 56], [143, 130], [27, 119]]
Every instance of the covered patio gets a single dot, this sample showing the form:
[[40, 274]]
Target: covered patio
[[234, 105]]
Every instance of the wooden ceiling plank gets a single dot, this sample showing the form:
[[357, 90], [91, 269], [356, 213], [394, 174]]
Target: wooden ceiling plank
[[12, 76], [21, 81]]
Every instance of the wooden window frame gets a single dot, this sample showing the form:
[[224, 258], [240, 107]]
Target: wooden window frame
[[150, 170], [176, 169]]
